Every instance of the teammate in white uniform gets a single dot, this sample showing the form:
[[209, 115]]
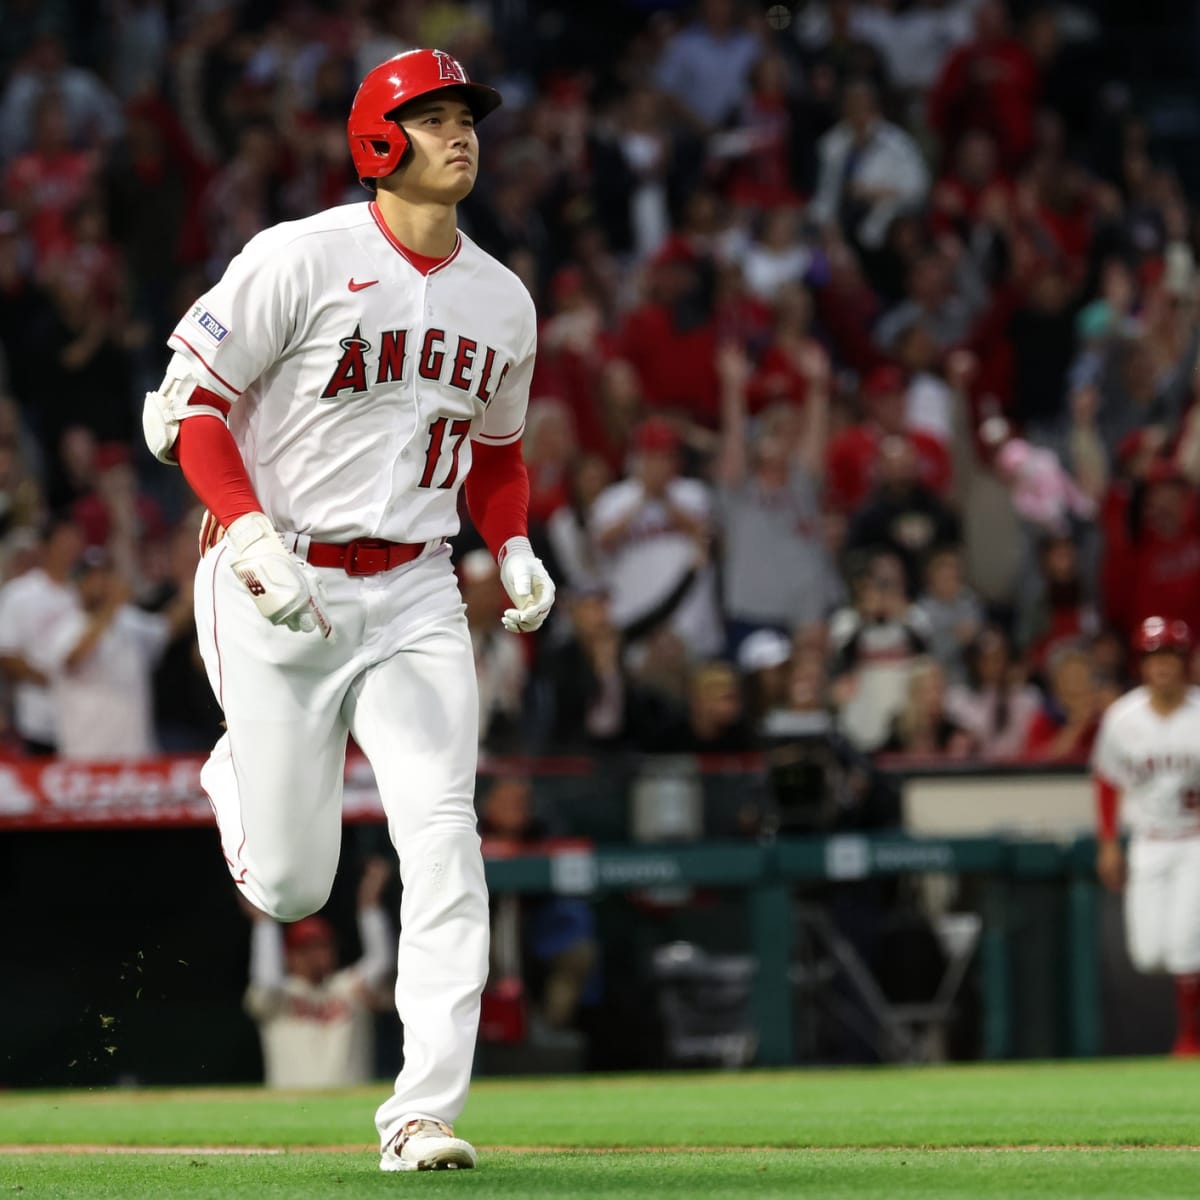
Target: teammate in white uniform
[[1147, 762], [366, 359]]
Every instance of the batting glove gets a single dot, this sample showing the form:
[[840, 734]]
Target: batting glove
[[286, 590], [528, 585]]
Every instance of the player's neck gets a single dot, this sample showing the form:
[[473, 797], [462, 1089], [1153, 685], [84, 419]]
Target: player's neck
[[1165, 703], [426, 227]]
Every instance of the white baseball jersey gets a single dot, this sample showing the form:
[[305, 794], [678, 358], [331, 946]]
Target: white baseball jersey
[[315, 1035], [1155, 763], [106, 702], [644, 568], [357, 382]]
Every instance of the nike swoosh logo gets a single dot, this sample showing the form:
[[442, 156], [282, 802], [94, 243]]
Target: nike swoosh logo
[[358, 287]]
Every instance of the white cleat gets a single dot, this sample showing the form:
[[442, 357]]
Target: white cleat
[[423, 1145]]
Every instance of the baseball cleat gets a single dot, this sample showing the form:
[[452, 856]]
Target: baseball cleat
[[424, 1145]]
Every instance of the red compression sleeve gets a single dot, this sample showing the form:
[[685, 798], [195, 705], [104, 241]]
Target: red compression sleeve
[[498, 493], [1106, 808], [213, 467]]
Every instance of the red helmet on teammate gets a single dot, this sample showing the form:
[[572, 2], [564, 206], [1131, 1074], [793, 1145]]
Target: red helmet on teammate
[[377, 143], [1158, 633]]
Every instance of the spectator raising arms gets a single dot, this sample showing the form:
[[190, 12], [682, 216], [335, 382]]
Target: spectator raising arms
[[316, 1019], [776, 570]]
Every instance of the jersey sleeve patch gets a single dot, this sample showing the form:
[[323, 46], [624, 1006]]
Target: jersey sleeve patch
[[208, 325]]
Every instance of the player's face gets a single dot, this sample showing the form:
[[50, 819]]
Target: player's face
[[445, 150], [1164, 672]]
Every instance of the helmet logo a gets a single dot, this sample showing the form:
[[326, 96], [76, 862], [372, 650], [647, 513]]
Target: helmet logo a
[[449, 68]]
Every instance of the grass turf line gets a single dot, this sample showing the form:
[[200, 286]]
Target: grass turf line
[[1122, 1102], [832, 1175]]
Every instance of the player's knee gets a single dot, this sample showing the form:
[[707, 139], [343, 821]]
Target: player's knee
[[291, 898]]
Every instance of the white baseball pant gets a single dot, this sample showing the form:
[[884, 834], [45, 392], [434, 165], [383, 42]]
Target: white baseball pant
[[400, 677], [1162, 905]]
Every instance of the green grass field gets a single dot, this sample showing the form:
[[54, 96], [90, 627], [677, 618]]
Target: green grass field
[[1095, 1130]]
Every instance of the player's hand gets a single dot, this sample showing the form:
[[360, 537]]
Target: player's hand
[[1110, 865], [528, 585], [285, 590]]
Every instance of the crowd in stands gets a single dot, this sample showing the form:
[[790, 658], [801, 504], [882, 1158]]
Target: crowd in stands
[[865, 389]]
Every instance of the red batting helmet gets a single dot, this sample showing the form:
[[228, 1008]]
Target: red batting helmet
[[1157, 633], [377, 143]]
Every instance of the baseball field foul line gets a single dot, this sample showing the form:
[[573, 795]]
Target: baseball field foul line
[[250, 1151]]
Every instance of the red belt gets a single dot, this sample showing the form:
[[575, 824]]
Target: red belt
[[364, 556]]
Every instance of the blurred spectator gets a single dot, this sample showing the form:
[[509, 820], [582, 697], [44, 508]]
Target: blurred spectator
[[903, 515], [115, 515], [102, 657], [1044, 495], [932, 301], [971, 183], [1065, 729], [33, 607], [995, 705], [819, 781], [46, 183], [671, 339], [991, 83], [653, 532], [1053, 608], [705, 67], [594, 702], [500, 665], [768, 149], [572, 552], [765, 660], [852, 461], [549, 450], [1156, 569], [950, 610], [315, 1019], [914, 41], [923, 728], [871, 172], [606, 423], [775, 568], [875, 644], [90, 111], [88, 366], [778, 257], [715, 720], [558, 950], [781, 376]]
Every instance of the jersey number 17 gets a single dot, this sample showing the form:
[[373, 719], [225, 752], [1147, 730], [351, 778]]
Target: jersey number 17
[[438, 429]]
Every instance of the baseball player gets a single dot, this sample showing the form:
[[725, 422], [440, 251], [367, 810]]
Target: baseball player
[[1147, 761], [327, 399]]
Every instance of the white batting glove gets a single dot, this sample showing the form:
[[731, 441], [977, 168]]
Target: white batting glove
[[528, 585], [286, 590]]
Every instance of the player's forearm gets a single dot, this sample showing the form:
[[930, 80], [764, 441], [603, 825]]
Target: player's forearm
[[213, 466], [497, 492], [1107, 800]]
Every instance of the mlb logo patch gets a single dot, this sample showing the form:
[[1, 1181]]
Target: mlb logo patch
[[208, 324]]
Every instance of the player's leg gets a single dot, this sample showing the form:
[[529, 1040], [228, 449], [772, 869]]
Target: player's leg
[[415, 716], [275, 777], [1147, 896], [1183, 943]]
